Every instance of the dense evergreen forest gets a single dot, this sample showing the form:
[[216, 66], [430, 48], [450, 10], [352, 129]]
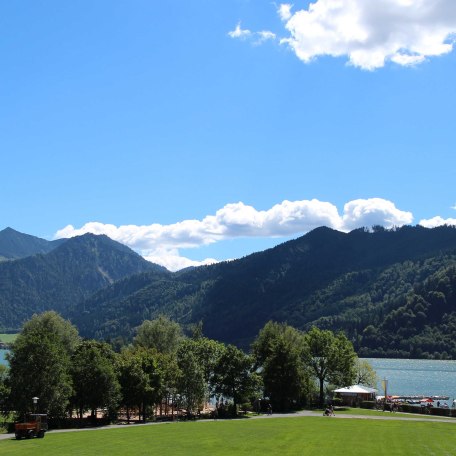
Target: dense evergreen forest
[[390, 291], [70, 272]]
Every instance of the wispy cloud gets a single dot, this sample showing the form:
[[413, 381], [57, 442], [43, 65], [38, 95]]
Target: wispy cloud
[[255, 37], [161, 243], [370, 33], [240, 33]]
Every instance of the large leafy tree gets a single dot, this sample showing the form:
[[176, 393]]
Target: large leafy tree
[[162, 334], [94, 377], [208, 353], [39, 364], [191, 384], [234, 377], [278, 351], [140, 379], [330, 357], [365, 373]]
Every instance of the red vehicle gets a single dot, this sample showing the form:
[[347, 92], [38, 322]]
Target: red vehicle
[[35, 425]]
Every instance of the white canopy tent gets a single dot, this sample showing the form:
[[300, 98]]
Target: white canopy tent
[[354, 394], [355, 390]]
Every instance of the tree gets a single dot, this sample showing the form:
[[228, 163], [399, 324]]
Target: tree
[[191, 384], [330, 357], [39, 364], [233, 376], [4, 388], [208, 353], [94, 377], [140, 379], [365, 373], [162, 334], [278, 351], [133, 382]]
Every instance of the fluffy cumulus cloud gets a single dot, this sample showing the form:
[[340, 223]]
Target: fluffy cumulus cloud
[[374, 211], [437, 221], [161, 243], [370, 33]]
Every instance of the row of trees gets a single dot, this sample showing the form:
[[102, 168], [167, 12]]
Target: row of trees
[[73, 376]]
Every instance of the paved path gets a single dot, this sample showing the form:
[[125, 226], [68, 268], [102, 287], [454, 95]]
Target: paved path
[[302, 413]]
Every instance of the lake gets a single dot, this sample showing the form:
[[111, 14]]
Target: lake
[[2, 356], [417, 377]]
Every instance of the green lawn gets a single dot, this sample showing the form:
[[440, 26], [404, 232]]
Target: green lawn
[[367, 412], [278, 436], [7, 338]]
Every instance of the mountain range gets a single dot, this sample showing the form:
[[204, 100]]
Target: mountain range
[[53, 275], [393, 292]]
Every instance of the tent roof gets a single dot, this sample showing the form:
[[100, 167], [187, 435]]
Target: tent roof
[[356, 389]]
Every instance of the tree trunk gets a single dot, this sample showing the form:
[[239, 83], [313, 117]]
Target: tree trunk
[[321, 392]]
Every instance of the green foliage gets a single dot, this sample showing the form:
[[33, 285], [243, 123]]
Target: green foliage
[[141, 378], [191, 383], [39, 364], [94, 377], [233, 376], [162, 334], [4, 389], [330, 357], [278, 350], [365, 373]]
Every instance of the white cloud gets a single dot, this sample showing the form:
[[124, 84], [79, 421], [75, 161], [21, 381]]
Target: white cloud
[[265, 35], [161, 243], [171, 260], [256, 37], [238, 32], [437, 221], [284, 11], [374, 211], [369, 33]]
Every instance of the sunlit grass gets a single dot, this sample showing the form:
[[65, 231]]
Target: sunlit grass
[[284, 436], [368, 412], [7, 338]]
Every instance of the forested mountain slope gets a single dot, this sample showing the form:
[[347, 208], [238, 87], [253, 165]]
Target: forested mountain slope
[[71, 272], [351, 281], [14, 245]]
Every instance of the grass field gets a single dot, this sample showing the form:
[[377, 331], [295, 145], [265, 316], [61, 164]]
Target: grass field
[[7, 338], [367, 412], [280, 436]]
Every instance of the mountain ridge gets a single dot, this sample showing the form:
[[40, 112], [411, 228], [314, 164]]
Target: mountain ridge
[[15, 245], [234, 299], [67, 274]]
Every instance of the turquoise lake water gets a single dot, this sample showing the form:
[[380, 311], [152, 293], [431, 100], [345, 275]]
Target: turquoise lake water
[[2, 356], [417, 377]]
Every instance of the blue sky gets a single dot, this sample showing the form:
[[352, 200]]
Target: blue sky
[[208, 130]]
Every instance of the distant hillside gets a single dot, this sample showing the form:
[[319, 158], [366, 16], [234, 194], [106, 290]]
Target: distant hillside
[[360, 282], [66, 275], [14, 245]]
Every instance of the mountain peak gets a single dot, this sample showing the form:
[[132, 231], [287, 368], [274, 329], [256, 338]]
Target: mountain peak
[[14, 244]]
